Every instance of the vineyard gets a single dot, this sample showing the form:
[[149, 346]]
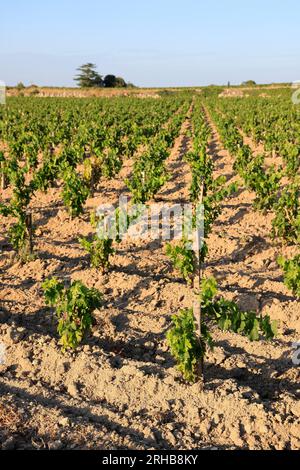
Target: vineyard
[[121, 342]]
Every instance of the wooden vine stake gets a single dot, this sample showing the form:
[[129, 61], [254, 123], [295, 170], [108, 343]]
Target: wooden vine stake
[[198, 273], [4, 179], [28, 223]]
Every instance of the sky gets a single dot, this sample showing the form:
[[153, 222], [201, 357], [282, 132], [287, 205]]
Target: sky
[[150, 43]]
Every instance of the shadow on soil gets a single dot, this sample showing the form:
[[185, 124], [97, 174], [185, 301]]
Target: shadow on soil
[[100, 421]]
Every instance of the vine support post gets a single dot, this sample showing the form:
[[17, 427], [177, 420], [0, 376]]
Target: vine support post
[[28, 223], [4, 179], [198, 274]]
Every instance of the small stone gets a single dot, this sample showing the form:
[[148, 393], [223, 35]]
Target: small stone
[[72, 389], [170, 438], [295, 409], [235, 437], [216, 419], [240, 365], [248, 428], [65, 422]]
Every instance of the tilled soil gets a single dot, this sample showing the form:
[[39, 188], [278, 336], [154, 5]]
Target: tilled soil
[[121, 389]]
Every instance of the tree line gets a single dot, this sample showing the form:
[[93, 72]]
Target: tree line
[[88, 77]]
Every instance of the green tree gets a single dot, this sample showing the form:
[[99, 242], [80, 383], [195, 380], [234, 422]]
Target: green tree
[[120, 82], [249, 83], [20, 86], [88, 76], [111, 81]]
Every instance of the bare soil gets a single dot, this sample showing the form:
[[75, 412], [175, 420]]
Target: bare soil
[[121, 389]]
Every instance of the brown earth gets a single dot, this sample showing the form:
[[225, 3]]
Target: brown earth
[[232, 93], [121, 390], [65, 92], [43, 92]]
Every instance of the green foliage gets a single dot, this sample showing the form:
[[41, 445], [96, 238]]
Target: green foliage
[[99, 251], [202, 172], [46, 141], [268, 125], [228, 316], [188, 350], [45, 176], [149, 175], [92, 172], [149, 172], [265, 183], [286, 223], [75, 192], [111, 81], [183, 343], [88, 77], [187, 345], [202, 167], [100, 246], [19, 237], [111, 164], [212, 201], [20, 86], [182, 256], [20, 232], [249, 83], [291, 269], [291, 155], [73, 307]]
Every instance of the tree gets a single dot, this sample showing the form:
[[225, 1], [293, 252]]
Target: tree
[[120, 82], [249, 83], [111, 81], [20, 86], [88, 76]]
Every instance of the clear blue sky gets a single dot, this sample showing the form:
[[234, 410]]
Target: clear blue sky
[[151, 43]]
